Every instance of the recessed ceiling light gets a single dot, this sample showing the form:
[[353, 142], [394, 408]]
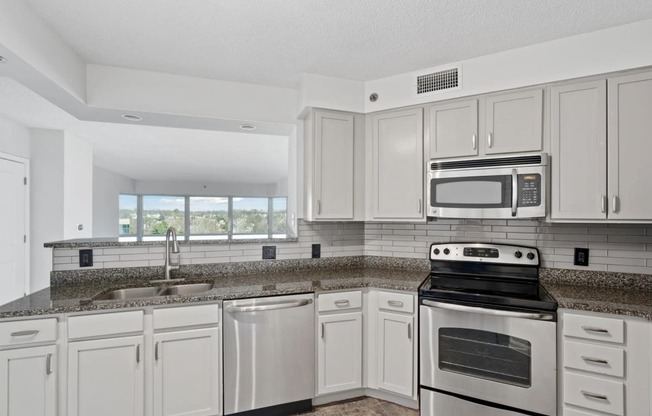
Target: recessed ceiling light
[[132, 117], [3, 59], [247, 127]]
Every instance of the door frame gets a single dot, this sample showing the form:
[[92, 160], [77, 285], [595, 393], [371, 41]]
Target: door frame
[[28, 243]]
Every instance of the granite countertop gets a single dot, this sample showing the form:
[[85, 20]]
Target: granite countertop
[[73, 297]]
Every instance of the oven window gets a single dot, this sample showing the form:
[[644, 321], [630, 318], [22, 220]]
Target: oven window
[[472, 192], [486, 355]]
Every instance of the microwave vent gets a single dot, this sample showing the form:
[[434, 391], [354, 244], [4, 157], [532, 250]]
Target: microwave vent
[[438, 81], [486, 163]]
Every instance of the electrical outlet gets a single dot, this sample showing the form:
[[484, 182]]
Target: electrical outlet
[[86, 258], [269, 252], [581, 257], [316, 251]]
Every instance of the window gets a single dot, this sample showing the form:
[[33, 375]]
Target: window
[[147, 217]]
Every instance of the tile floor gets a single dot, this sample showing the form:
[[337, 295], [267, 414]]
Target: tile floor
[[365, 406]]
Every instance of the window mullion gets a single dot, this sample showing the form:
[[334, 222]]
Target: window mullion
[[186, 218], [270, 216], [140, 221], [230, 223]]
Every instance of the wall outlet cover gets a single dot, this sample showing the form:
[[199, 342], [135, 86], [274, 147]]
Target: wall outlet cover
[[269, 252], [86, 258], [316, 251], [581, 257]]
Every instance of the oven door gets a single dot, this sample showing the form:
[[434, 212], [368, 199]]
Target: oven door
[[503, 357]]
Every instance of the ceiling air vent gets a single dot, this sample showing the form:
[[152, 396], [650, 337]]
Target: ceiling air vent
[[445, 80]]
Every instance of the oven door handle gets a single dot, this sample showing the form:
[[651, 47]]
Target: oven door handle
[[487, 311]]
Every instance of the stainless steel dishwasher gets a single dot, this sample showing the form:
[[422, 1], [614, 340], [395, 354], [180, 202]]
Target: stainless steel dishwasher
[[269, 355]]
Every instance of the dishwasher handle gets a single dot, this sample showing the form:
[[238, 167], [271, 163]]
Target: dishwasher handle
[[268, 306]]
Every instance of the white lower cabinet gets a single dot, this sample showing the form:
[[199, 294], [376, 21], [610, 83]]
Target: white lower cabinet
[[186, 373], [339, 352], [106, 377], [28, 381], [395, 352]]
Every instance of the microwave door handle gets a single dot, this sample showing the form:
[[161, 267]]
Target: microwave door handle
[[514, 192]]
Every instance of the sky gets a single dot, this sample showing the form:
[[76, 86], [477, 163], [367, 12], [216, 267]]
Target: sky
[[200, 203]]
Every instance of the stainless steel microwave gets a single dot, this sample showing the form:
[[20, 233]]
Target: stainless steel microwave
[[493, 187]]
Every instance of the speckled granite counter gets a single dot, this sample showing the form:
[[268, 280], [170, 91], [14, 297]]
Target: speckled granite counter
[[78, 297]]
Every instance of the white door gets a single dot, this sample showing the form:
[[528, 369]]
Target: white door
[[28, 385], [339, 352], [395, 353], [579, 150], [333, 165], [630, 147], [12, 244], [397, 168], [514, 122], [186, 373], [106, 377], [453, 129]]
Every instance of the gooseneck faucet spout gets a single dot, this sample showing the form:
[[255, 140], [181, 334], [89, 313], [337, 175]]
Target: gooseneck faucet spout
[[171, 235]]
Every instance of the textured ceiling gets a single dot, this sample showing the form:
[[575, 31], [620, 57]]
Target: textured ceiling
[[157, 153], [272, 42]]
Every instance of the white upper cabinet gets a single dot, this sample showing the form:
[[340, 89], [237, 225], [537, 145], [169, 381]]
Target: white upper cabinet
[[630, 147], [397, 165], [329, 162], [453, 129], [579, 150], [513, 122]]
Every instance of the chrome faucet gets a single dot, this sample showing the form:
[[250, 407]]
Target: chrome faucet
[[171, 234]]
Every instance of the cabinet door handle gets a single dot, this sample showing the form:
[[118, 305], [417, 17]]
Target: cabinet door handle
[[318, 207], [595, 396], [25, 333], [599, 361], [490, 140], [156, 352], [419, 206], [409, 331], [323, 330], [395, 303], [48, 364], [137, 353], [474, 141], [603, 207], [595, 329], [614, 204]]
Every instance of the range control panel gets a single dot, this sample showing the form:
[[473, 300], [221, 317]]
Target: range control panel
[[484, 252]]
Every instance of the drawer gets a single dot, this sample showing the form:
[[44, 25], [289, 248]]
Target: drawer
[[595, 393], [594, 328], [340, 301], [186, 316], [28, 331], [598, 359], [401, 302], [85, 326]]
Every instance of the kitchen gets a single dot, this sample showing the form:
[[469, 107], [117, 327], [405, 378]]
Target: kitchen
[[361, 207]]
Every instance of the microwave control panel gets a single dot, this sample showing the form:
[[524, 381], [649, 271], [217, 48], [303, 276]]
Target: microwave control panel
[[529, 190]]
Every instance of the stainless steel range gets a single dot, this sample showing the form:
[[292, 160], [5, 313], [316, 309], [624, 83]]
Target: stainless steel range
[[487, 333]]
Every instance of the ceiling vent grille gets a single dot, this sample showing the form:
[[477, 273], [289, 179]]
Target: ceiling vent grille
[[446, 80]]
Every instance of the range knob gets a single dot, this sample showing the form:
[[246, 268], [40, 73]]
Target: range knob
[[436, 251], [518, 254], [530, 255], [447, 251]]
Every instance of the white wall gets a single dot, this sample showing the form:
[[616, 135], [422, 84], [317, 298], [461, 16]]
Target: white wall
[[14, 138], [206, 189], [77, 188], [107, 187]]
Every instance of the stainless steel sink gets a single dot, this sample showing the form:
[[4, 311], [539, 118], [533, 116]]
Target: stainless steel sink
[[149, 292]]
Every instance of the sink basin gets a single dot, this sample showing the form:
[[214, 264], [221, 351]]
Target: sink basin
[[150, 292]]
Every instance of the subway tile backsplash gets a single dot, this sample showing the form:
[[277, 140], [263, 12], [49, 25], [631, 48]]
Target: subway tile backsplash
[[613, 247]]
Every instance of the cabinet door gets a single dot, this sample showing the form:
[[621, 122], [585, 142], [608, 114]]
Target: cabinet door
[[513, 122], [28, 384], [579, 150], [395, 352], [186, 373], [453, 129], [106, 377], [397, 165], [339, 352], [333, 166], [630, 147]]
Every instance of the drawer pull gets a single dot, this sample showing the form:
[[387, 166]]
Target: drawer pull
[[395, 303], [594, 396], [25, 333], [595, 329], [342, 302], [48, 364], [598, 361]]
